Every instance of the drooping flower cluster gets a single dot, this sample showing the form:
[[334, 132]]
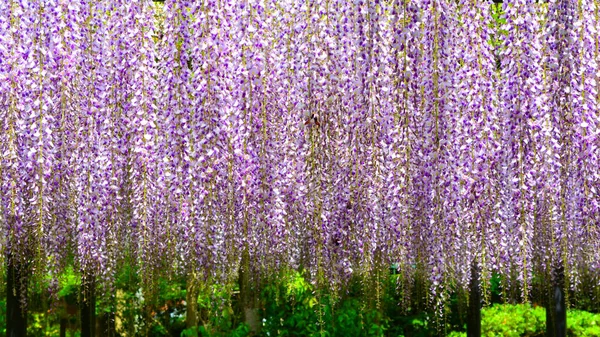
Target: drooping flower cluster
[[337, 137]]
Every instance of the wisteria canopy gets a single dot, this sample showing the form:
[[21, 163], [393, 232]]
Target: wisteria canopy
[[332, 136]]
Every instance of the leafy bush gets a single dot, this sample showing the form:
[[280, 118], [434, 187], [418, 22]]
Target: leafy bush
[[513, 320], [294, 308], [414, 326], [291, 306], [523, 320], [583, 323], [3, 316]]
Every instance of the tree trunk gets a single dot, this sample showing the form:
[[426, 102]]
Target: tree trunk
[[63, 327], [105, 325], [191, 299], [88, 307], [474, 309], [16, 292], [556, 311], [549, 314], [248, 300]]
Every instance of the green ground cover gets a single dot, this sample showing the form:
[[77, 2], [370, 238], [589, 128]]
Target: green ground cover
[[291, 306]]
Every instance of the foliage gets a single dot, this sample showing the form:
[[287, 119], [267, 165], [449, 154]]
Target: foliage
[[169, 313], [524, 320], [69, 283], [513, 320], [241, 330], [39, 326], [583, 323], [293, 307], [3, 316], [216, 313], [414, 325]]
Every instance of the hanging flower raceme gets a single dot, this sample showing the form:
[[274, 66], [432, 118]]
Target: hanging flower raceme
[[209, 138], [29, 122], [521, 83], [572, 105], [589, 89], [474, 152]]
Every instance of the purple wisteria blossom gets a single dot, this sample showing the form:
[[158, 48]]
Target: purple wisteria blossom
[[333, 137]]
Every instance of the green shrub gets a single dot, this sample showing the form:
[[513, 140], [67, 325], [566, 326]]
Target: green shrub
[[513, 320], [523, 320], [293, 308], [414, 326], [3, 316], [583, 323]]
